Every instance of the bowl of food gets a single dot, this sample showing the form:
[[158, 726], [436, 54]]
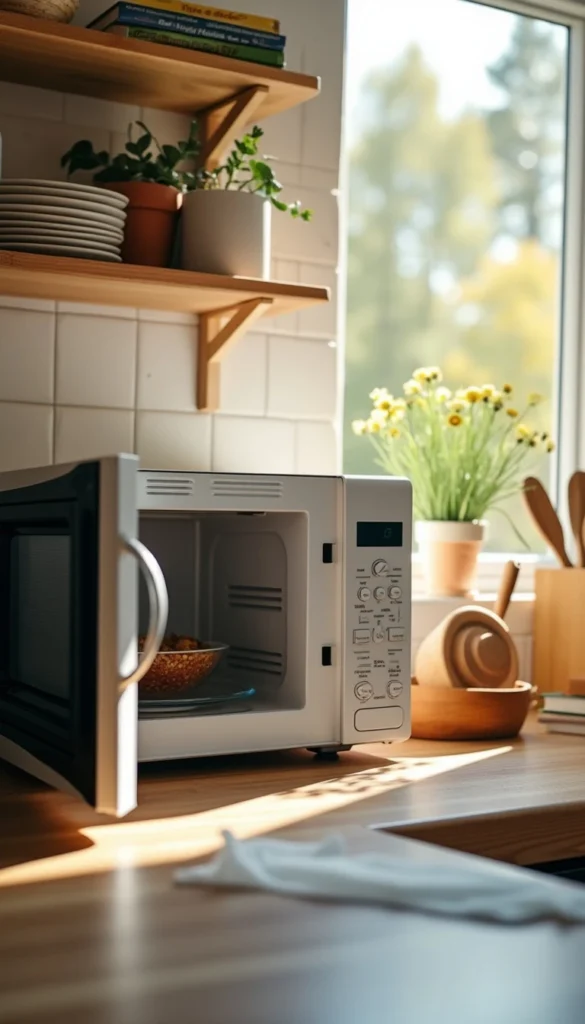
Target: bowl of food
[[182, 662]]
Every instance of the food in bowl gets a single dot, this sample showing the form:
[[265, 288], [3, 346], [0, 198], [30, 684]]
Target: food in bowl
[[182, 662]]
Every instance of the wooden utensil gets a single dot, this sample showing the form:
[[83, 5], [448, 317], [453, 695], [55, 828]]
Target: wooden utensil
[[471, 647], [507, 584], [577, 512], [545, 518]]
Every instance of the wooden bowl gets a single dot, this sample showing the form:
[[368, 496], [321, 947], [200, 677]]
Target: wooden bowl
[[172, 672], [451, 713], [49, 10]]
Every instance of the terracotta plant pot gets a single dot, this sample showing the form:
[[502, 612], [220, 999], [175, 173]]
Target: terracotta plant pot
[[449, 553], [226, 232], [151, 220]]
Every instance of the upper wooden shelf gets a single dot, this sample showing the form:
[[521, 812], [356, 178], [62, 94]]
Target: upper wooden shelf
[[90, 63], [122, 284]]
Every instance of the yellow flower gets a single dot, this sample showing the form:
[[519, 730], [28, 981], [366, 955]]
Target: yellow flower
[[434, 374], [394, 432], [385, 404], [398, 405], [455, 420], [377, 393], [473, 394], [535, 399], [550, 446], [420, 375], [507, 389], [456, 405], [397, 413], [379, 416], [412, 387], [512, 413], [373, 426], [359, 427], [442, 395], [523, 433], [488, 391]]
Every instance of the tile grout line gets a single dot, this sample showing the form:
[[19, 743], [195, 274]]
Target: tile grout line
[[54, 404]]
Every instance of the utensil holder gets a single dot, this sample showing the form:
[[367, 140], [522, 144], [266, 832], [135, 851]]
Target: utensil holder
[[558, 647]]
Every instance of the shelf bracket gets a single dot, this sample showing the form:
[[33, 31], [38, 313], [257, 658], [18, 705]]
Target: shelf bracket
[[218, 330], [221, 124]]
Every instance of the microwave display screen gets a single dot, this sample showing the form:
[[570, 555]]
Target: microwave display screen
[[379, 535], [40, 603]]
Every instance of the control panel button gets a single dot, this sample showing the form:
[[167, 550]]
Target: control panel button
[[364, 594], [395, 593], [361, 636], [364, 691], [378, 634], [396, 633], [379, 593], [380, 567], [394, 688], [378, 719]]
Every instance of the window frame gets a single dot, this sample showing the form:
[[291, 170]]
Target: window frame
[[569, 372]]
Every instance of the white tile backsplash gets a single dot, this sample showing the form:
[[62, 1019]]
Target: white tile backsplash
[[94, 113], [96, 361], [171, 440], [317, 449], [91, 433], [253, 445], [26, 435], [243, 376], [301, 378], [114, 391], [27, 101], [167, 360], [27, 356]]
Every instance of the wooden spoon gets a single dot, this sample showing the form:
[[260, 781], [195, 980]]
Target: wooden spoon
[[545, 518], [577, 512], [507, 584]]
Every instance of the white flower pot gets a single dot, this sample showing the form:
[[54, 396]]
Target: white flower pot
[[449, 553], [226, 233]]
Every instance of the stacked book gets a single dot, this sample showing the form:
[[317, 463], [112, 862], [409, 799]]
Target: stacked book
[[564, 712], [175, 23]]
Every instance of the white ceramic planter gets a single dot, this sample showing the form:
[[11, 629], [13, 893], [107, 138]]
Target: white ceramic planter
[[449, 553], [226, 233]]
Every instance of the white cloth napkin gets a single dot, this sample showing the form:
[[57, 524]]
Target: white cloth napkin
[[469, 887]]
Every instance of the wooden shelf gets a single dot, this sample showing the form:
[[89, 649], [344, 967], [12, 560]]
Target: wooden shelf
[[80, 60], [123, 284], [227, 306]]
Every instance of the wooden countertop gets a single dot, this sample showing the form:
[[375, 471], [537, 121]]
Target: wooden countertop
[[92, 929]]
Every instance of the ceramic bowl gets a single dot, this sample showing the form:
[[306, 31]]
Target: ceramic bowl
[[173, 672], [450, 713]]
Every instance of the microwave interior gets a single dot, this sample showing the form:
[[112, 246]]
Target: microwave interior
[[240, 579]]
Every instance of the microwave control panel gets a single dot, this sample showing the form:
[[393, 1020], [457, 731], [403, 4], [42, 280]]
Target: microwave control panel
[[377, 581]]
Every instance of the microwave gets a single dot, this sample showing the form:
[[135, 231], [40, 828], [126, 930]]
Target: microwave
[[306, 580]]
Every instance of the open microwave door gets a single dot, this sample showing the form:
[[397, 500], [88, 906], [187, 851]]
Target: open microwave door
[[68, 620]]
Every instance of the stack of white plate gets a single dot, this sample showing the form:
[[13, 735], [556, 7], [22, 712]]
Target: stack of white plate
[[59, 218]]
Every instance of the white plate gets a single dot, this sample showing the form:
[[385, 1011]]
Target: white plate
[[50, 221], [66, 240], [56, 188], [17, 227], [72, 216], [62, 250], [74, 206]]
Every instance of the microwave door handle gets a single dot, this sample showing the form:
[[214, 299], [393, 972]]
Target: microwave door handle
[[158, 600]]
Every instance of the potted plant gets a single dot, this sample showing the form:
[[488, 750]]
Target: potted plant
[[464, 453], [153, 183], [225, 222]]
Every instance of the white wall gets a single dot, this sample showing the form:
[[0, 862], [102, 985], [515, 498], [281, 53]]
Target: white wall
[[78, 381]]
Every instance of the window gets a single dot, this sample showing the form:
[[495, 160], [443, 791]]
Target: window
[[456, 165]]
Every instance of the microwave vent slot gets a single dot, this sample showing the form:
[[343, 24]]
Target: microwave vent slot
[[260, 598], [178, 486], [248, 659], [233, 487]]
